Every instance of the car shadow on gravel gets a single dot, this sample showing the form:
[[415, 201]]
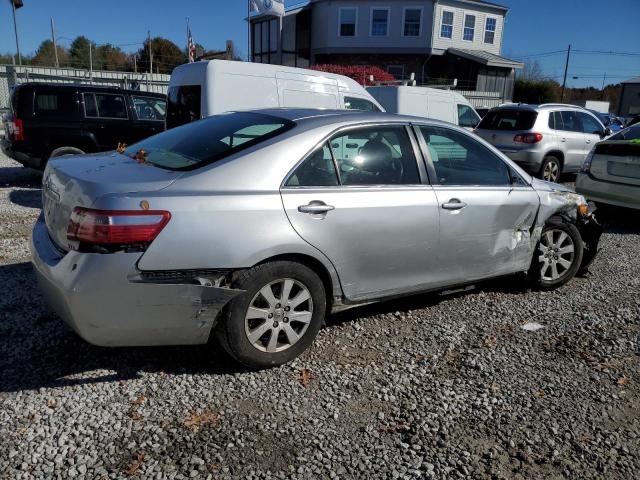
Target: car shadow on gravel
[[619, 220], [39, 350], [31, 198], [20, 177]]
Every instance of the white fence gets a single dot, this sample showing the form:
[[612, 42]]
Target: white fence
[[12, 75]]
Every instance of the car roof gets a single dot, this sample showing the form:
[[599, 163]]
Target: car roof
[[537, 108], [84, 87], [321, 117]]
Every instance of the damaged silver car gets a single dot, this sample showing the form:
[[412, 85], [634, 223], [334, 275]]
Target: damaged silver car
[[250, 227]]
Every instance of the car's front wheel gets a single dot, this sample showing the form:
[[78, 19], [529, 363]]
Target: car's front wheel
[[276, 318], [558, 255]]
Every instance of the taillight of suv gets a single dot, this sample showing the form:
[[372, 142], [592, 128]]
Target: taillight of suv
[[16, 129], [527, 137]]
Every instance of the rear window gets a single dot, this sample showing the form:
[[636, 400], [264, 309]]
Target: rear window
[[183, 105], [508, 120], [206, 141], [53, 104]]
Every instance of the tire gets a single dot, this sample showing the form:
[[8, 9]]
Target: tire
[[248, 335], [551, 169], [558, 255]]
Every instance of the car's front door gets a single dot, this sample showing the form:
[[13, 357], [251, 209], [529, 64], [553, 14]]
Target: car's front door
[[369, 211], [573, 139], [149, 113], [486, 208], [593, 132]]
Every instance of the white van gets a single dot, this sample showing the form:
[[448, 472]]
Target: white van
[[427, 102], [201, 89]]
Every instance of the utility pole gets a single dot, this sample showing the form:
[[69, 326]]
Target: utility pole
[[90, 64], [566, 67], [16, 4], [135, 63], [53, 37], [150, 60]]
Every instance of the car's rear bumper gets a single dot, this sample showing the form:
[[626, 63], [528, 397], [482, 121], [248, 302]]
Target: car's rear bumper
[[21, 157], [607, 192], [102, 297], [530, 160]]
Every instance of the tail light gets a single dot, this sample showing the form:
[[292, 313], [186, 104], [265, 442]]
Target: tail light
[[586, 165], [18, 130], [527, 137], [116, 227]]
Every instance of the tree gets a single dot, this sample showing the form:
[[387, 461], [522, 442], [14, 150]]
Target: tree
[[113, 58], [532, 71], [166, 56], [45, 55], [79, 51], [360, 73], [536, 91]]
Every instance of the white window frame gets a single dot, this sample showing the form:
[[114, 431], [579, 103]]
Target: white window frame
[[355, 26], [404, 21], [495, 29], [388, 9], [453, 21], [464, 27]]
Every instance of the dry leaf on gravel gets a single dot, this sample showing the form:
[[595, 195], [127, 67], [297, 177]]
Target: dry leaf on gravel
[[540, 393], [623, 380], [305, 377], [195, 421], [134, 466], [51, 403], [396, 427], [140, 400]]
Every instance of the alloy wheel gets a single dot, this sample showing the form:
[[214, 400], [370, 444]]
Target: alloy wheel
[[556, 254], [278, 315], [551, 171]]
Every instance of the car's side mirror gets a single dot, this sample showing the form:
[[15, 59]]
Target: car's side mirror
[[607, 131]]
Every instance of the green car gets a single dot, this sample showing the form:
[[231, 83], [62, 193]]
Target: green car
[[611, 172]]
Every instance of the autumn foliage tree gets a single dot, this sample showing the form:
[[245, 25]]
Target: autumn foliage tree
[[360, 73]]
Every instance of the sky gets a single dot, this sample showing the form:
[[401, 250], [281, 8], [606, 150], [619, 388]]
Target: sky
[[533, 27]]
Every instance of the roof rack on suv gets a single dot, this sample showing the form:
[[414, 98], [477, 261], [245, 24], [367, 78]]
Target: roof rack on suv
[[560, 105]]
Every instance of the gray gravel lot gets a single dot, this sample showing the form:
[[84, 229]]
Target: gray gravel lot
[[430, 386]]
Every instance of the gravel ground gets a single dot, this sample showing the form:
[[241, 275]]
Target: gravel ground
[[431, 386]]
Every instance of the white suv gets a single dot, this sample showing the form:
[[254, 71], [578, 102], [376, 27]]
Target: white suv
[[547, 140]]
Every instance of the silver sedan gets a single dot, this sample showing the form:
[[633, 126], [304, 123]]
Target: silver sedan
[[250, 227]]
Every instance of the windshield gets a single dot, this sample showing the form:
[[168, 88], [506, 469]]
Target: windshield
[[631, 133], [508, 120], [206, 141]]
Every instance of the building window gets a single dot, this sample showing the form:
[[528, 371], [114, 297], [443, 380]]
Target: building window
[[397, 71], [265, 41], [348, 18], [469, 27], [412, 22], [490, 30], [446, 29], [379, 22]]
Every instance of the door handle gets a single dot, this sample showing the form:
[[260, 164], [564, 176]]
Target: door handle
[[454, 204], [588, 140], [563, 139], [315, 207]]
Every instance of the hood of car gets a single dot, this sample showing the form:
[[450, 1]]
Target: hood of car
[[545, 186]]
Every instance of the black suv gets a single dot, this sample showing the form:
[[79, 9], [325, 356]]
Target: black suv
[[51, 120]]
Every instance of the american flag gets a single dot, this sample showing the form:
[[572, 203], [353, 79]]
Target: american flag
[[191, 48]]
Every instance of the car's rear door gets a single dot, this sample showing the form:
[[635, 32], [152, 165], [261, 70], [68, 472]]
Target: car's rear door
[[107, 119], [572, 137], [486, 208], [372, 214]]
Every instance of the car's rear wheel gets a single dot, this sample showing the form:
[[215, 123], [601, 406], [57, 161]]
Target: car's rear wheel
[[558, 255], [277, 317], [551, 169]]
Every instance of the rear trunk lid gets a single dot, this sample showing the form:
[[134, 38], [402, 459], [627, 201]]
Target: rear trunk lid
[[79, 180], [617, 161]]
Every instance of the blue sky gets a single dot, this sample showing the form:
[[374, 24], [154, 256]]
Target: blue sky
[[533, 26]]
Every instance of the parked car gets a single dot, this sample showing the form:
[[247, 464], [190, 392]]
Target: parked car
[[546, 140], [202, 89], [251, 226], [614, 123], [611, 171], [445, 105], [482, 111], [52, 120], [633, 121]]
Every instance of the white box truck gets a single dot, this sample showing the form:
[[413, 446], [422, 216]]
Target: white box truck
[[445, 105], [201, 89]]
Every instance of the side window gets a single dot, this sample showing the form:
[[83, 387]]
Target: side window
[[589, 124], [111, 106], [571, 121], [54, 104], [354, 103], [467, 117], [148, 108], [317, 170], [381, 155], [460, 160], [90, 109]]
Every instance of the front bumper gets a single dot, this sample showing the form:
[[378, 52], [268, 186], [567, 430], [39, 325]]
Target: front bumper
[[102, 297], [601, 191], [590, 231]]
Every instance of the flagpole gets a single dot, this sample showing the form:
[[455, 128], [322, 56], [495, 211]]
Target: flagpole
[[188, 45], [249, 30]]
